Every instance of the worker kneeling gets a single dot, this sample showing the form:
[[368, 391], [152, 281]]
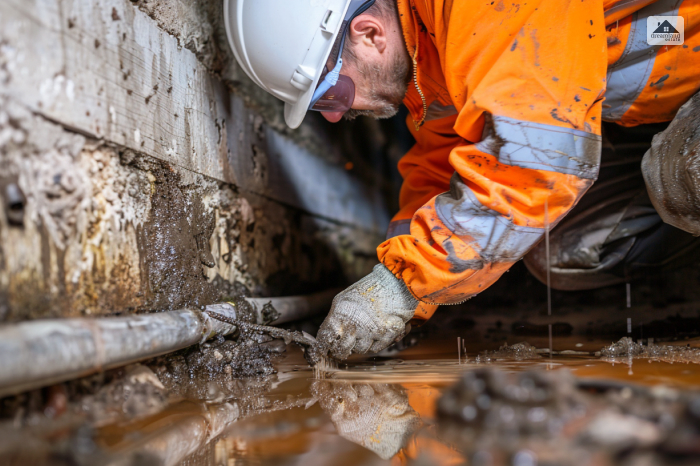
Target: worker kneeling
[[506, 105]]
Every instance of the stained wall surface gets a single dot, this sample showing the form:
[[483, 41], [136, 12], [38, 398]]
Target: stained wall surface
[[141, 170]]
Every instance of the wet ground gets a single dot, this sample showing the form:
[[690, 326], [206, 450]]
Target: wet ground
[[631, 404], [385, 411]]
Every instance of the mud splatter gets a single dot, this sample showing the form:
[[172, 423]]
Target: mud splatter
[[626, 348], [537, 417], [518, 352]]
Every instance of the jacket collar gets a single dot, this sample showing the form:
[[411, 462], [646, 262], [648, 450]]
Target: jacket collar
[[410, 25], [416, 36]]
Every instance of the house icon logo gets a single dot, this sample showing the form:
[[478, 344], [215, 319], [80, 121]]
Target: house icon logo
[[665, 30]]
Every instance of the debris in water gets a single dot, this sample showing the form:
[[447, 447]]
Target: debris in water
[[627, 348], [519, 352], [557, 419], [498, 415], [199, 373]]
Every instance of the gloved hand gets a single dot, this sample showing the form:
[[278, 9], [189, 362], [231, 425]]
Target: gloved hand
[[367, 317]]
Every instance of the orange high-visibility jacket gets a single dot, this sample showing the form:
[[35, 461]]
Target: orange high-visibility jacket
[[506, 108]]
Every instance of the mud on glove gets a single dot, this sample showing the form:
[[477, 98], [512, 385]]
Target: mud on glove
[[367, 317]]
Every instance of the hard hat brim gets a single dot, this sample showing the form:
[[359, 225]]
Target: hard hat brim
[[294, 113]]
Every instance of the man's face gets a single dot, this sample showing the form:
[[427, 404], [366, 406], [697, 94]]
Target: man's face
[[376, 59]]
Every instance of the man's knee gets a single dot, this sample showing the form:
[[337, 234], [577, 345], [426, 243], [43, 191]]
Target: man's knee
[[671, 170]]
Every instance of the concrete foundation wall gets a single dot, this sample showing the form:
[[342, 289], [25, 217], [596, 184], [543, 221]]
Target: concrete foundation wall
[[140, 171]]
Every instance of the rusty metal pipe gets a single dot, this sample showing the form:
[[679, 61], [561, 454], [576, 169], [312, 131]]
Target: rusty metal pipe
[[43, 352]]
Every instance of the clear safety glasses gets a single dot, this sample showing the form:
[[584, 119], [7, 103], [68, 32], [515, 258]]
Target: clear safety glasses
[[335, 92]]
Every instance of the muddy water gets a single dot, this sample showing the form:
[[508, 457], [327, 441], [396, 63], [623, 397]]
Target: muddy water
[[369, 411], [382, 410]]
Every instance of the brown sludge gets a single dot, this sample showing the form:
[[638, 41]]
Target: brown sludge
[[503, 409]]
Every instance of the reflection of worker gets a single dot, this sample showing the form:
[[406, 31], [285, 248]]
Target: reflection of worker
[[375, 416], [506, 102]]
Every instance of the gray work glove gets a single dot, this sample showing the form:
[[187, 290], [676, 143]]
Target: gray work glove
[[367, 317]]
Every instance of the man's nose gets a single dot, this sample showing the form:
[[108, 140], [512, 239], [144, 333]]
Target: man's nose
[[333, 117]]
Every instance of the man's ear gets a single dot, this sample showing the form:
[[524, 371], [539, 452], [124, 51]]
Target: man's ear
[[369, 31]]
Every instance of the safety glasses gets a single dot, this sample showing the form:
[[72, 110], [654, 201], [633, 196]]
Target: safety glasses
[[335, 92]]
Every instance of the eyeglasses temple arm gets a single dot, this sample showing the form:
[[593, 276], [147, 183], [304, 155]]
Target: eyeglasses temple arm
[[329, 81]]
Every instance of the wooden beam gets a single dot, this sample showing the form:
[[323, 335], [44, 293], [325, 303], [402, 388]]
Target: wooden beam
[[103, 68]]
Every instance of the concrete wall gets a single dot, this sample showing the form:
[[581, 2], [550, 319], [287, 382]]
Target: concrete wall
[[141, 170]]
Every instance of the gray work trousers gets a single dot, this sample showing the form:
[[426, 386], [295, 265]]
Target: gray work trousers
[[643, 213]]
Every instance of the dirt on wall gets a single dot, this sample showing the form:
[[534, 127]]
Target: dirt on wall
[[90, 228], [100, 214], [173, 242]]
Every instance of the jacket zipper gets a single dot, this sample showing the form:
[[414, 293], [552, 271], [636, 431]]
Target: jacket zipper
[[418, 124]]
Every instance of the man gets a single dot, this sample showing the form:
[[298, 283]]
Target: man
[[506, 103]]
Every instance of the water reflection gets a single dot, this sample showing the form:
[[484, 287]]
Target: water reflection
[[348, 422], [375, 416], [386, 411]]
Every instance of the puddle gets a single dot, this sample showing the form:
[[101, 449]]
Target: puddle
[[383, 410], [386, 410]]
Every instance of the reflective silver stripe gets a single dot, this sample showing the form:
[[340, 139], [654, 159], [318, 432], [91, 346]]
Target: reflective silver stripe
[[542, 147], [629, 75], [496, 238], [398, 228], [437, 111]]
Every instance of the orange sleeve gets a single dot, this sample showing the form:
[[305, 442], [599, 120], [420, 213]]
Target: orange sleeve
[[425, 169], [527, 83]]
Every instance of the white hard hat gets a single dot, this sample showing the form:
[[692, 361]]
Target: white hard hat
[[283, 45]]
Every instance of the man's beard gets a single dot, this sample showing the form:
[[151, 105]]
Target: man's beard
[[386, 86]]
